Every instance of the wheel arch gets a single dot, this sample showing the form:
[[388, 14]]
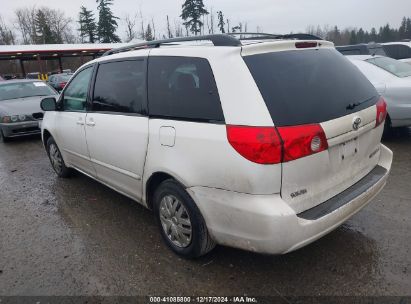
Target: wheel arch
[[154, 181], [46, 135]]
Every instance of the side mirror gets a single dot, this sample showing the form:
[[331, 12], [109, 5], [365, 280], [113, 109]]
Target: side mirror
[[48, 104]]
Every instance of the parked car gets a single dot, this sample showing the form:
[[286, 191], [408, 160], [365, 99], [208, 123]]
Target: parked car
[[392, 78], [362, 49], [263, 146], [399, 50], [35, 75], [58, 81], [20, 110]]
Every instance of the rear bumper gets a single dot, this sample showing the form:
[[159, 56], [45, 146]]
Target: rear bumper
[[266, 223], [20, 128]]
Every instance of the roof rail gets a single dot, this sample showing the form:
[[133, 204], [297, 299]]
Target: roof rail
[[275, 36], [217, 40]]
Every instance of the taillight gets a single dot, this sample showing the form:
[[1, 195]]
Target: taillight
[[304, 45], [301, 141], [270, 145], [381, 112], [260, 145]]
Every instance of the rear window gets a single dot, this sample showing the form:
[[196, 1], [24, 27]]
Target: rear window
[[397, 51], [309, 86], [395, 67]]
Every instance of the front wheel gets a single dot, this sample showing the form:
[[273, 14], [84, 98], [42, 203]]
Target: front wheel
[[56, 159], [181, 223], [3, 139]]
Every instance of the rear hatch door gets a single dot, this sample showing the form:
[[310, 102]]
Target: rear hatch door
[[320, 86]]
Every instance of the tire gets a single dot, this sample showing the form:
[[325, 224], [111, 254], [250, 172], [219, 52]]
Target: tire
[[388, 132], [56, 159], [3, 139], [171, 197]]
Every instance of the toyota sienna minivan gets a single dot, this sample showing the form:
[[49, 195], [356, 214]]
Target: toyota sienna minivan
[[262, 144]]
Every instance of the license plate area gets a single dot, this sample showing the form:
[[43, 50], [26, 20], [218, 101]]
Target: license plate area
[[349, 148]]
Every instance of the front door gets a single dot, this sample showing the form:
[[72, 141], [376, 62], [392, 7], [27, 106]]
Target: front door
[[70, 122]]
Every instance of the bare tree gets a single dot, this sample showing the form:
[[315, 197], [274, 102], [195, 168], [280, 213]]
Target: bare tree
[[154, 28], [59, 24], [130, 22], [169, 32], [7, 36], [25, 23], [178, 28]]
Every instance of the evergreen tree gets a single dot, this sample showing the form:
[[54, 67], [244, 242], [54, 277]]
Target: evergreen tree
[[148, 36], [107, 24], [88, 27], [221, 22], [408, 29], [192, 12], [353, 37], [402, 31], [373, 35], [44, 34]]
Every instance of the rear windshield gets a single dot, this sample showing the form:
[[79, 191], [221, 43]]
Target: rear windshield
[[398, 68], [310, 86], [17, 90]]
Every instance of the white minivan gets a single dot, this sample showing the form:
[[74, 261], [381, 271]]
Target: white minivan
[[264, 145]]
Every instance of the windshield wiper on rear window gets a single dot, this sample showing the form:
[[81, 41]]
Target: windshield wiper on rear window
[[353, 105]]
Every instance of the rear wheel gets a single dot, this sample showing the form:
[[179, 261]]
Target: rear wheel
[[56, 159], [181, 223]]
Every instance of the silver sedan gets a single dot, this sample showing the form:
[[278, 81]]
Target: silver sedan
[[20, 110], [392, 79]]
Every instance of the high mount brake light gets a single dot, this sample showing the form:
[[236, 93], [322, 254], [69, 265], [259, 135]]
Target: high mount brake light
[[270, 145], [381, 112], [304, 45]]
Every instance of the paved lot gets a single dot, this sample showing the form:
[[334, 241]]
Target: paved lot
[[77, 237]]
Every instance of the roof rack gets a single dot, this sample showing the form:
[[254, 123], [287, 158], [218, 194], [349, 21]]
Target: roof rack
[[275, 36], [217, 40]]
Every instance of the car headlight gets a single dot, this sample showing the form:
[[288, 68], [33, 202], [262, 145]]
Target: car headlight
[[15, 118], [6, 119]]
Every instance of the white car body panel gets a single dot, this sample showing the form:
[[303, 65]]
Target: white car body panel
[[118, 162], [395, 90]]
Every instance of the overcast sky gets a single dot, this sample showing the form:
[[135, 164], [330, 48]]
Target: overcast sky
[[276, 16]]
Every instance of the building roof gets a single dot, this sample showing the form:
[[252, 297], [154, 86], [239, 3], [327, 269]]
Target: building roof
[[49, 51]]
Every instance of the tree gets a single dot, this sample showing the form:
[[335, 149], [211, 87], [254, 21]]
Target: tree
[[26, 24], [43, 30], [88, 27], [221, 22], [192, 12], [107, 24], [148, 36], [6, 34], [169, 33]]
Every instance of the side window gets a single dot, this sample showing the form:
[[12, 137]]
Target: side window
[[392, 50], [183, 88], [75, 95], [120, 87]]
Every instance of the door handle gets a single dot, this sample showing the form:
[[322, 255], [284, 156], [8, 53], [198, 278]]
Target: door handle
[[91, 123], [80, 122]]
